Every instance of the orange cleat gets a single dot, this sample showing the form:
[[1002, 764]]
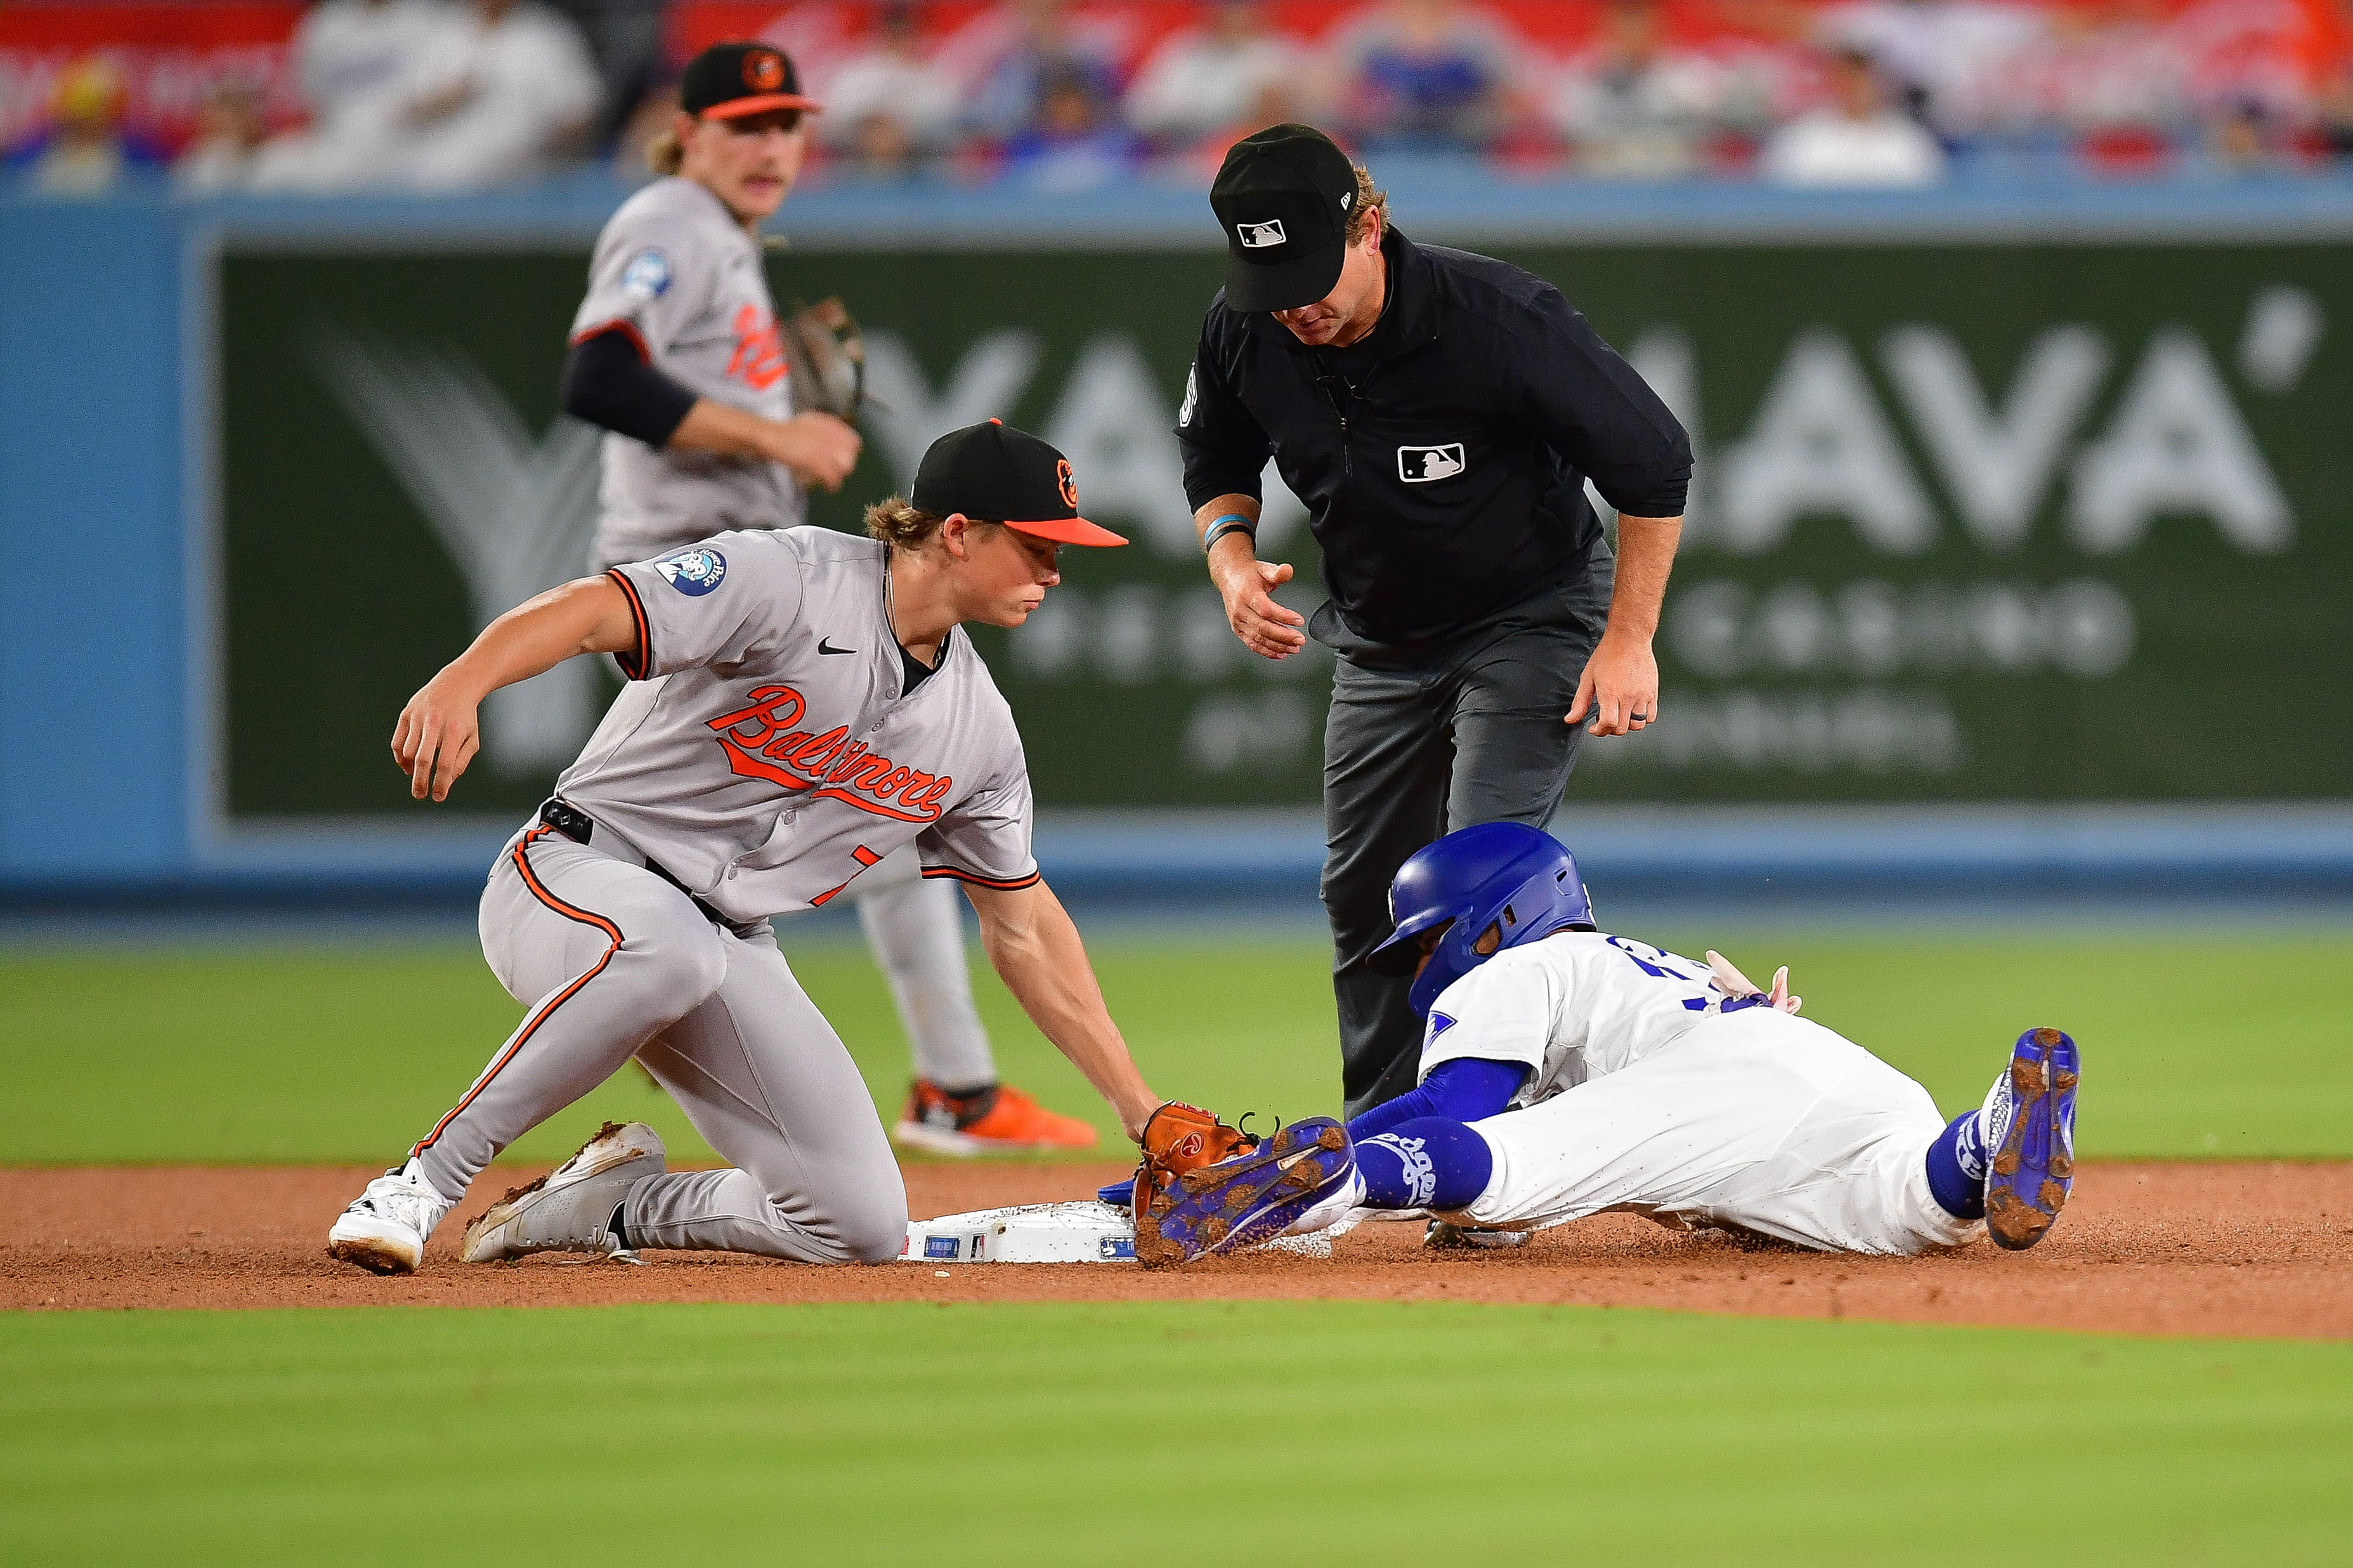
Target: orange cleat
[[999, 1120]]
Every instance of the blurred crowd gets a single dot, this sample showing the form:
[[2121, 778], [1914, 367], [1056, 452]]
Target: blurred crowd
[[451, 95]]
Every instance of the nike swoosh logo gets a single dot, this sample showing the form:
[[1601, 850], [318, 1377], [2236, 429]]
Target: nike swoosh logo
[[825, 647]]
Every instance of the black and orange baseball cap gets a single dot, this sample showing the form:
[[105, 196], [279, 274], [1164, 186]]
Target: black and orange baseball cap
[[994, 473], [727, 81]]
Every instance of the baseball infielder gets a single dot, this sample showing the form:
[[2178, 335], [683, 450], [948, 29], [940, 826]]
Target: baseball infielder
[[801, 705], [1566, 1072], [676, 352]]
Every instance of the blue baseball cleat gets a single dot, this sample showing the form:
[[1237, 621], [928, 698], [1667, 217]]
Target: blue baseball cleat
[[1249, 1199], [2029, 1129]]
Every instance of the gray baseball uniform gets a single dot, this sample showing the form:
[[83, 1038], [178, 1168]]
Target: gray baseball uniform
[[761, 759], [674, 268]]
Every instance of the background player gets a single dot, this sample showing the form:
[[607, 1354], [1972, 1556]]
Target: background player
[[1639, 1079], [746, 770], [1439, 413], [676, 353]]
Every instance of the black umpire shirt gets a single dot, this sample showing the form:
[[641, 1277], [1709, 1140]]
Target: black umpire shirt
[[1444, 457]]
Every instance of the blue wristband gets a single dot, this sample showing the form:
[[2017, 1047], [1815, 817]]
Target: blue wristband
[[1233, 523]]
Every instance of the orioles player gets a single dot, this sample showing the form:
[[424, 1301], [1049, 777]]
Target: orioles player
[[801, 705], [677, 355], [1638, 1079]]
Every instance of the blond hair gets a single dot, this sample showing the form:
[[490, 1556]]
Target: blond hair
[[665, 155], [902, 525], [1368, 201]]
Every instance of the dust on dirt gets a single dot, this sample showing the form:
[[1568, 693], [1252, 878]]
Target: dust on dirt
[[2219, 1248]]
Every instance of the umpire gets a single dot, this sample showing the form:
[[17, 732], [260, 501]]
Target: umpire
[[1439, 413]]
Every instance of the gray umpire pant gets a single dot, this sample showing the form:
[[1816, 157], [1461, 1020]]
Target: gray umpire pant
[[614, 962], [1422, 739]]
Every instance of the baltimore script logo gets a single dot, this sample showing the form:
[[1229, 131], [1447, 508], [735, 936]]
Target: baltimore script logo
[[762, 744]]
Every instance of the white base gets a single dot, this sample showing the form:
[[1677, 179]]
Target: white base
[[1087, 1232]]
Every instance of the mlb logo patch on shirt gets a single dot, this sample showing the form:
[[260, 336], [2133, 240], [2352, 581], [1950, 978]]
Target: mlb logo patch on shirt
[[694, 573], [1258, 235], [648, 275], [1427, 465]]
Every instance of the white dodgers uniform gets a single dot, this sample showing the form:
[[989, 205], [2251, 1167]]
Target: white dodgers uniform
[[675, 272], [763, 756], [1650, 1090]]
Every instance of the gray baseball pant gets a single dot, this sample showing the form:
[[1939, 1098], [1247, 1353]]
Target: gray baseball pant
[[1419, 743], [916, 929], [614, 962]]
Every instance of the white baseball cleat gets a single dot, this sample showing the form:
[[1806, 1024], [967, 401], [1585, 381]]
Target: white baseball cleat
[[571, 1208], [384, 1232]]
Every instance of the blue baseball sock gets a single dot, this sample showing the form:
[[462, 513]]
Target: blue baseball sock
[[1429, 1162], [1957, 1168]]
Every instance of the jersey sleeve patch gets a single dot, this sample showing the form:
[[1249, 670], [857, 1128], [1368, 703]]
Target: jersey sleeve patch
[[694, 573], [646, 275]]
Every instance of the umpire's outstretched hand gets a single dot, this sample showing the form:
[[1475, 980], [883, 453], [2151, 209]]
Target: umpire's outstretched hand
[[1248, 585]]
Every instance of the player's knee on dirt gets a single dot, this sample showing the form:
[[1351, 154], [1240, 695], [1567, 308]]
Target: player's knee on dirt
[[869, 1224]]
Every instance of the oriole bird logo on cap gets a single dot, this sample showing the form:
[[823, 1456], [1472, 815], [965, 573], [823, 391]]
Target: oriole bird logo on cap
[[1070, 485], [763, 71]]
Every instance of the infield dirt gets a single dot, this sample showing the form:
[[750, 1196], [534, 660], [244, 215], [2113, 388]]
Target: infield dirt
[[2207, 1248]]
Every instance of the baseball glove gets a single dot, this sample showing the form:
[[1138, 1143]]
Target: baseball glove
[[1178, 1138], [827, 359], [1250, 1198]]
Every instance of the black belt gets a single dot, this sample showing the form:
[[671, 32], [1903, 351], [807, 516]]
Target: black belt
[[580, 827]]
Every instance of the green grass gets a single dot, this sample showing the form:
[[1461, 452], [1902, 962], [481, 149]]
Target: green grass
[[1316, 1432], [2226, 1045]]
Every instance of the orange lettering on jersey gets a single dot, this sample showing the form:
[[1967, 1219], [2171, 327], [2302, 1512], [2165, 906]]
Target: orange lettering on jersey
[[819, 753], [773, 707], [759, 358], [761, 745]]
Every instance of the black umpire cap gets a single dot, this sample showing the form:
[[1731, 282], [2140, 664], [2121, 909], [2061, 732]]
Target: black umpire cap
[[994, 473], [1284, 197], [727, 81]]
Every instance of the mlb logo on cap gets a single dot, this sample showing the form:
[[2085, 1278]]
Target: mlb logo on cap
[[1283, 197]]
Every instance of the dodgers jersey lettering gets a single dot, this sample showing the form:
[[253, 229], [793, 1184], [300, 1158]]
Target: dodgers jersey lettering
[[765, 775], [1573, 1006], [676, 271]]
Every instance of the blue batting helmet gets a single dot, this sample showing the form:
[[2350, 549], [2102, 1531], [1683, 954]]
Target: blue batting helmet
[[1489, 887]]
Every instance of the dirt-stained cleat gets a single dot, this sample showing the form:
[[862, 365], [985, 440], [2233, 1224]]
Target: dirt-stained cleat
[[2029, 1126], [1444, 1237], [1249, 1199], [572, 1208], [384, 1229]]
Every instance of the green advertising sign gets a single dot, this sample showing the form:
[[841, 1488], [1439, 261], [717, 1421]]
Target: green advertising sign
[[1998, 523]]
